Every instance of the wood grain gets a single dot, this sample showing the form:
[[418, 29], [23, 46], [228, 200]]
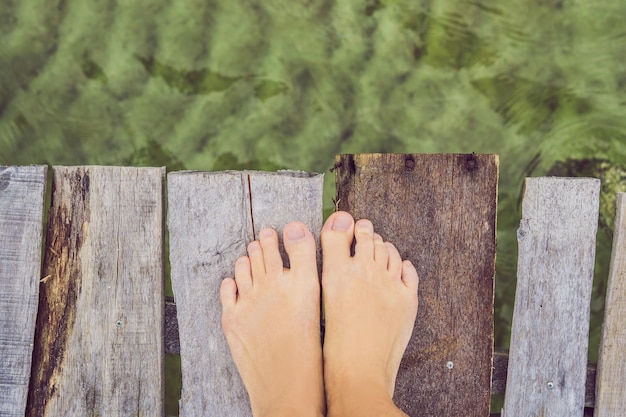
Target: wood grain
[[21, 222], [548, 355], [211, 218], [610, 393], [99, 339], [440, 212]]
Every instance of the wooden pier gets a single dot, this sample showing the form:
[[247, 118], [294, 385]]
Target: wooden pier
[[84, 323]]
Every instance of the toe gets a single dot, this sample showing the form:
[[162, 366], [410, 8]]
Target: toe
[[228, 293], [381, 253], [243, 275], [337, 235], [271, 254], [364, 235], [300, 246], [409, 275], [394, 265], [257, 263]]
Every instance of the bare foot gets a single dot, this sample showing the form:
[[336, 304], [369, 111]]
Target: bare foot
[[370, 302], [271, 319]]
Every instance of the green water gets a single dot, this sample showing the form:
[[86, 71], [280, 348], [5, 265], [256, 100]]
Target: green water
[[234, 84]]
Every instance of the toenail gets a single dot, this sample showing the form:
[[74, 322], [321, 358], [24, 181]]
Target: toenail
[[294, 232], [266, 233], [364, 225], [342, 223]]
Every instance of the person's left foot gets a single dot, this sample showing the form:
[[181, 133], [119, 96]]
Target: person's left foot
[[271, 319]]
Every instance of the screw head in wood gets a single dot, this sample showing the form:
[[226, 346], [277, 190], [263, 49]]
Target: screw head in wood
[[550, 384], [118, 324], [450, 365]]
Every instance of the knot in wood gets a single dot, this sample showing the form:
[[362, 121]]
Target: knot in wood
[[5, 179], [470, 162]]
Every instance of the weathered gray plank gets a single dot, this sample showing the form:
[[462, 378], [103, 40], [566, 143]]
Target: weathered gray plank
[[548, 356], [210, 222], [274, 209], [21, 216], [440, 212], [610, 393], [500, 366], [99, 339]]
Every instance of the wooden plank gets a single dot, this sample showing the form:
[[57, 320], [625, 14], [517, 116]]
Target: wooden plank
[[99, 339], [610, 395], [21, 216], [500, 366], [210, 221], [440, 212], [272, 208], [207, 218], [548, 355]]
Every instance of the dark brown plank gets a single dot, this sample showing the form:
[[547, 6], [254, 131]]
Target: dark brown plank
[[440, 212]]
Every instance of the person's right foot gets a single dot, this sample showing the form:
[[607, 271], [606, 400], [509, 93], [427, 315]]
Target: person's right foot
[[370, 302]]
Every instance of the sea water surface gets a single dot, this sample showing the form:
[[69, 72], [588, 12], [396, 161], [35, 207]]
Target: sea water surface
[[234, 84]]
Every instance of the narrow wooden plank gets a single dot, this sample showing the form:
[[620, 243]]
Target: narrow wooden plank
[[208, 218], [99, 339], [500, 366], [210, 221], [21, 215], [440, 212], [610, 395], [548, 355]]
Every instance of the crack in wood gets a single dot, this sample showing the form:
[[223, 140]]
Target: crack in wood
[[251, 213]]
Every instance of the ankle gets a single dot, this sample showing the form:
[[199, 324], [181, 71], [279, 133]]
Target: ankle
[[363, 404], [360, 396], [288, 410]]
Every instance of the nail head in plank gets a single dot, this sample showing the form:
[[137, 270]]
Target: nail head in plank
[[21, 215], [99, 339], [210, 223], [610, 393], [440, 212], [548, 354]]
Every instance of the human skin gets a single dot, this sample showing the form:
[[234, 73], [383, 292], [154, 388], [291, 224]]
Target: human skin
[[271, 318]]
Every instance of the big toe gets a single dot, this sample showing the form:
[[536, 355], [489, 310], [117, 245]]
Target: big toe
[[300, 246], [337, 235]]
